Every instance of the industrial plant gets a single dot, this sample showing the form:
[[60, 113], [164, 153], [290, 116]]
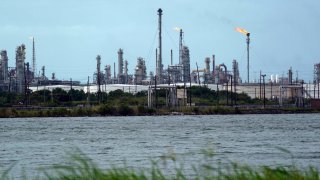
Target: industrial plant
[[22, 77], [214, 75]]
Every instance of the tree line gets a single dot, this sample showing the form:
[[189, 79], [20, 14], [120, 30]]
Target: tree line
[[200, 95]]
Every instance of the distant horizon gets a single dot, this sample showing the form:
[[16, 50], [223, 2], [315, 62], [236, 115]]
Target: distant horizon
[[283, 34]]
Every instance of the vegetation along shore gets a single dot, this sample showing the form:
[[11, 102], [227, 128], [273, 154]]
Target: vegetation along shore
[[58, 102]]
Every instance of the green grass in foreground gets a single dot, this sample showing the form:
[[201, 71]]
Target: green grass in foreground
[[81, 167]]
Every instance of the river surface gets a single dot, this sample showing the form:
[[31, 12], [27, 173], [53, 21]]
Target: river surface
[[112, 141]]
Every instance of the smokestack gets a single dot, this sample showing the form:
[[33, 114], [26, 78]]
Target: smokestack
[[290, 76], [235, 67], [245, 32], [120, 62], [43, 71], [207, 62], [98, 76], [126, 71], [159, 61], [33, 57], [248, 43], [114, 71], [125, 67], [213, 64], [98, 72], [180, 47], [171, 57]]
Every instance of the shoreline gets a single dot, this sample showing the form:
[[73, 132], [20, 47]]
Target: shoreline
[[106, 110]]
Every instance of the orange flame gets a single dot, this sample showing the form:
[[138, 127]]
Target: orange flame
[[241, 30]]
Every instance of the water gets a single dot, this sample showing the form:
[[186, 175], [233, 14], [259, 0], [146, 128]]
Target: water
[[111, 141]]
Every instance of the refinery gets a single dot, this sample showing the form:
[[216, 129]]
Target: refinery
[[214, 75]]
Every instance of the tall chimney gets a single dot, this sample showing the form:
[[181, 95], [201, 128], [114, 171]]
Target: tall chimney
[[33, 57], [248, 43], [213, 64], [159, 61], [180, 47]]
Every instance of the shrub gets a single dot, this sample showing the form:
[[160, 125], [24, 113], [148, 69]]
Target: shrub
[[60, 112], [106, 110], [125, 110], [151, 111], [4, 113], [80, 112], [40, 113], [142, 110], [196, 110], [237, 110]]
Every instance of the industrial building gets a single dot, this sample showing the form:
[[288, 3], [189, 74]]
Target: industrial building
[[141, 72], [20, 78], [15, 79], [215, 75]]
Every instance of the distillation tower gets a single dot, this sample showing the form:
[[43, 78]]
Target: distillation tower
[[140, 71], [4, 66], [20, 59]]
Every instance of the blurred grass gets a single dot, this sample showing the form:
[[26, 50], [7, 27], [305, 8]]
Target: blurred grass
[[81, 167]]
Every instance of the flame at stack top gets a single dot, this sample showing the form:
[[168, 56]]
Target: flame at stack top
[[243, 31], [177, 29]]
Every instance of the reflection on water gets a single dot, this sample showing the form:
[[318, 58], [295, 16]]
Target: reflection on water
[[109, 141]]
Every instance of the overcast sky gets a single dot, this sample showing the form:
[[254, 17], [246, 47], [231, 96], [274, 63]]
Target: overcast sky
[[69, 34]]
